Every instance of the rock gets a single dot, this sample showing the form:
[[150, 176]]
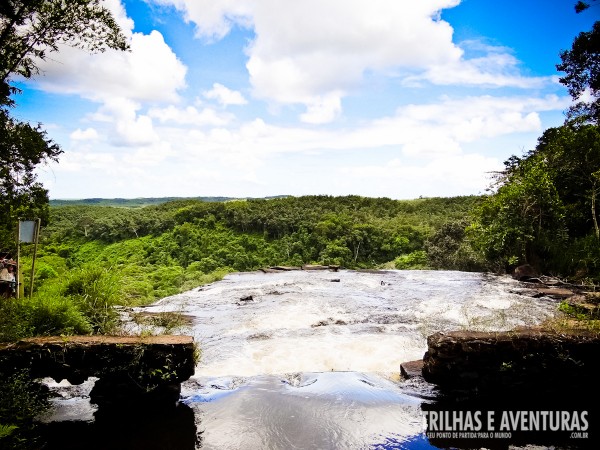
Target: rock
[[314, 267], [525, 272], [284, 268], [335, 280], [585, 304], [149, 366], [559, 293], [513, 361], [412, 369], [247, 298], [269, 270]]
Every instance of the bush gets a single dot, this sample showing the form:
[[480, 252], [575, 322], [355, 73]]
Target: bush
[[42, 315], [416, 260], [449, 249], [21, 400], [96, 290]]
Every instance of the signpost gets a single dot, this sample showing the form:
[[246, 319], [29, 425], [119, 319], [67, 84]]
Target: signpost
[[28, 231]]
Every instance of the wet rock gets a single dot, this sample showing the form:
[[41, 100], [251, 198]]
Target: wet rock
[[126, 429], [314, 267], [259, 337], [284, 268], [269, 270], [525, 272], [558, 293], [523, 360], [412, 369], [329, 321], [128, 366]]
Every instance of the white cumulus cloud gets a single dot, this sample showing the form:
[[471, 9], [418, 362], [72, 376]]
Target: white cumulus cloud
[[89, 134], [225, 96], [314, 52]]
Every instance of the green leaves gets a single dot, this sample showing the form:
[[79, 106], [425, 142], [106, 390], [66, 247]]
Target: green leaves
[[544, 207], [22, 148], [31, 29], [582, 66]]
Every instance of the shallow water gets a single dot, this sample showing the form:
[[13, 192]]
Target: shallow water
[[305, 321], [311, 361]]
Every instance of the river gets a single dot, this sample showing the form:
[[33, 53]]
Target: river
[[310, 359]]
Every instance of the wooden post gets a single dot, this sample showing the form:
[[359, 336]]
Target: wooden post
[[35, 238], [17, 277]]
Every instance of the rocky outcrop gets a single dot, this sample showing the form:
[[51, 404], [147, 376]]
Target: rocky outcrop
[[279, 269], [131, 369], [478, 362], [525, 272], [411, 369]]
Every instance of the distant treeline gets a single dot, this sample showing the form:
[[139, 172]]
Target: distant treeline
[[162, 249], [141, 201]]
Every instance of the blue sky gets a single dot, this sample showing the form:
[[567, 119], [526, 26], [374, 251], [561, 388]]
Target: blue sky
[[266, 97]]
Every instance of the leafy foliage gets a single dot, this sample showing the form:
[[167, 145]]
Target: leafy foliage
[[21, 400], [450, 248], [545, 205], [22, 148], [582, 66], [31, 29]]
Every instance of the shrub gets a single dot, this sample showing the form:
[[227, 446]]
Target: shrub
[[21, 400], [96, 290], [415, 260], [44, 314]]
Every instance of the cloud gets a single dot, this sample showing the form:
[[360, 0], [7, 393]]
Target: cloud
[[425, 132], [149, 72], [225, 96], [493, 70], [323, 109], [315, 53], [122, 82], [190, 116], [129, 128], [454, 175], [89, 134]]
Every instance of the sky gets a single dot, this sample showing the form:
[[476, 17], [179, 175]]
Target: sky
[[254, 98]]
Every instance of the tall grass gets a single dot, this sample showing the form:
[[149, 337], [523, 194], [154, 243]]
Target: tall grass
[[96, 291], [83, 303]]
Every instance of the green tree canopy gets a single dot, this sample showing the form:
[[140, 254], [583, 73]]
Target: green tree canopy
[[29, 31], [582, 67], [23, 147]]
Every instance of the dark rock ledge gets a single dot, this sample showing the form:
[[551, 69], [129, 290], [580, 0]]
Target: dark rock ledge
[[141, 370], [523, 360]]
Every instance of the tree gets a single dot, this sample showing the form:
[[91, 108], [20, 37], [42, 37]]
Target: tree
[[23, 147], [582, 67], [523, 222], [29, 31]]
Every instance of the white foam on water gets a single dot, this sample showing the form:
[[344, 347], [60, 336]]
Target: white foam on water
[[302, 321], [318, 353]]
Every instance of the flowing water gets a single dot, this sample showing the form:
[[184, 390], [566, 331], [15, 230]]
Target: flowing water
[[310, 359]]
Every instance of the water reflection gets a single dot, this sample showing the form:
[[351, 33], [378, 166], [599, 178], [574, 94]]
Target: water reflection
[[126, 429], [332, 410]]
